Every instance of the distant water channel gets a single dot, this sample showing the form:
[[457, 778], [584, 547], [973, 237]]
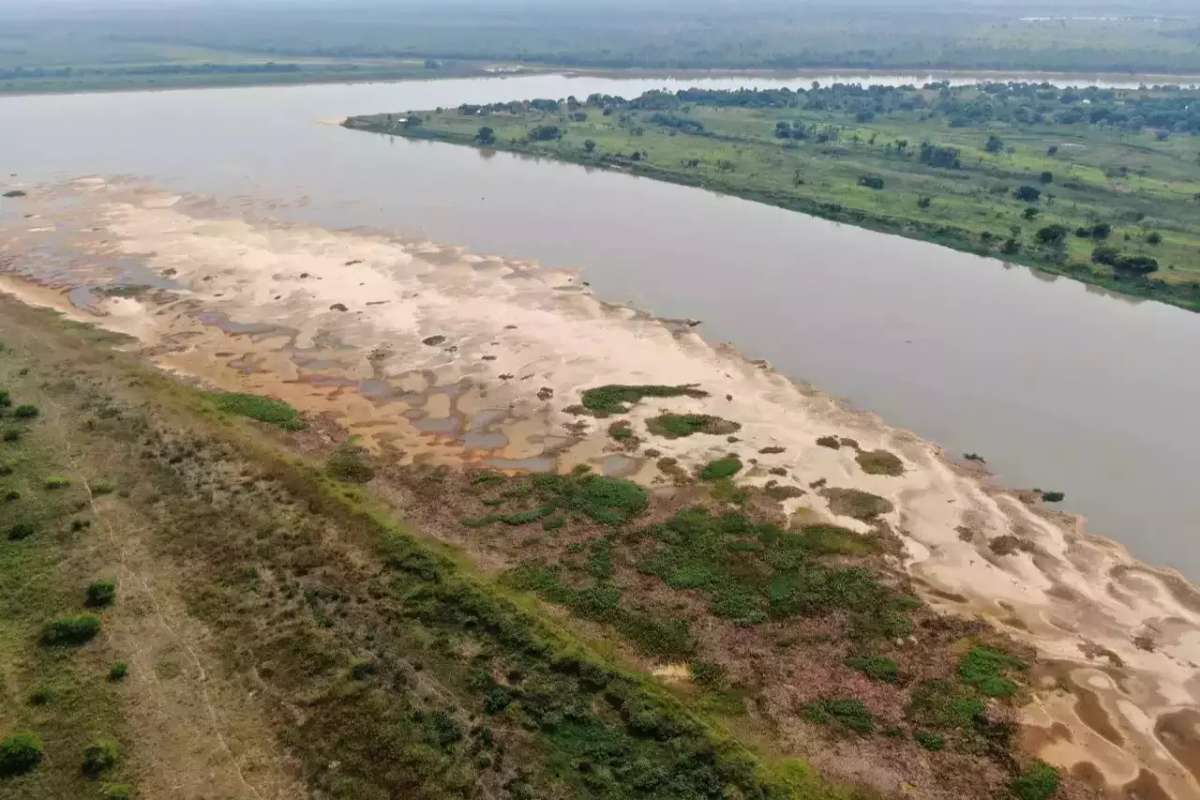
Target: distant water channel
[[1059, 386]]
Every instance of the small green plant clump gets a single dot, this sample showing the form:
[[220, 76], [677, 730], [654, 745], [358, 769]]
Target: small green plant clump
[[118, 671], [847, 712], [116, 791], [721, 468], [263, 409], [877, 668], [932, 742], [677, 426], [880, 462], [349, 463], [19, 754], [25, 411], [56, 482], [71, 631], [99, 757], [22, 530], [616, 398], [1039, 781], [100, 594], [986, 670]]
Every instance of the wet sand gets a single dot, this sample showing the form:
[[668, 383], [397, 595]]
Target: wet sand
[[431, 354]]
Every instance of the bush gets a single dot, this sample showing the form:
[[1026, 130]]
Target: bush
[[1028, 194], [118, 671], [56, 482], [5, 398], [876, 667], [985, 669], [871, 181], [847, 712], [616, 398], [99, 757], [22, 530], [1037, 782], [25, 412], [721, 468], [12, 435], [1051, 234], [71, 631], [101, 594], [930, 741], [349, 463], [676, 426], [19, 754], [880, 462]]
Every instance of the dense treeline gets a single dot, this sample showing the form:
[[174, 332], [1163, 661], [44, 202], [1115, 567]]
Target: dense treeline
[[1165, 108]]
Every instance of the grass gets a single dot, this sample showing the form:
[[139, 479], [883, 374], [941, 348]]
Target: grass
[[876, 668], [617, 398], [676, 426], [879, 462], [1039, 781], [986, 670], [263, 409], [721, 468], [1132, 181], [845, 712]]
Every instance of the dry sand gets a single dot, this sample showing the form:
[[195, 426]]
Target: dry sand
[[431, 354]]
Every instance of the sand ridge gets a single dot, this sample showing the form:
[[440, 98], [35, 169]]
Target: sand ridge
[[435, 355]]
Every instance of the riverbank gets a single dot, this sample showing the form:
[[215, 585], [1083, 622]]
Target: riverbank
[[438, 357], [989, 171]]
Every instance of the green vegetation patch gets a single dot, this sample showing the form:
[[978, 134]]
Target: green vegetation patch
[[1038, 781], [846, 712], [100, 594], [99, 757], [986, 670], [721, 468], [70, 631], [677, 426], [751, 572], [856, 503], [879, 462], [19, 753], [263, 409], [350, 463], [876, 668], [616, 398]]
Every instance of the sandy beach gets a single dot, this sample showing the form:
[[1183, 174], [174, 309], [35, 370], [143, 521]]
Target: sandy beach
[[434, 355]]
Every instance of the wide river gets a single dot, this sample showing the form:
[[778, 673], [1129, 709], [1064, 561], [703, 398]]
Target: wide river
[[1059, 386]]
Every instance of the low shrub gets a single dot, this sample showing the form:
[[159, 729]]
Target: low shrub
[[930, 741], [1039, 781], [101, 594], [19, 753], [118, 671], [985, 669], [99, 757], [877, 668], [22, 530], [116, 791], [847, 712], [263, 409], [56, 482], [349, 463], [70, 631], [721, 468], [880, 462], [25, 411], [677, 426], [616, 398]]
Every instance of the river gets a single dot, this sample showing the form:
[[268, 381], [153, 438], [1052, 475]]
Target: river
[[1058, 385]]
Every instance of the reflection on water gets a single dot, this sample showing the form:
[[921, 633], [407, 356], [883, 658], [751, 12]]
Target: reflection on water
[[1058, 385]]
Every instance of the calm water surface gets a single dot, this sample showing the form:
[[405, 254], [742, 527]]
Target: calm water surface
[[1059, 386]]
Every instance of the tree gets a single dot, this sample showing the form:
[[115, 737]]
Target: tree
[[1030, 213], [486, 135], [1052, 234], [1154, 238], [1027, 194], [1046, 177], [1101, 230], [994, 144], [589, 145]]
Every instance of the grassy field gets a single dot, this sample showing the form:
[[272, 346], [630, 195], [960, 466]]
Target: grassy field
[[1103, 186]]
